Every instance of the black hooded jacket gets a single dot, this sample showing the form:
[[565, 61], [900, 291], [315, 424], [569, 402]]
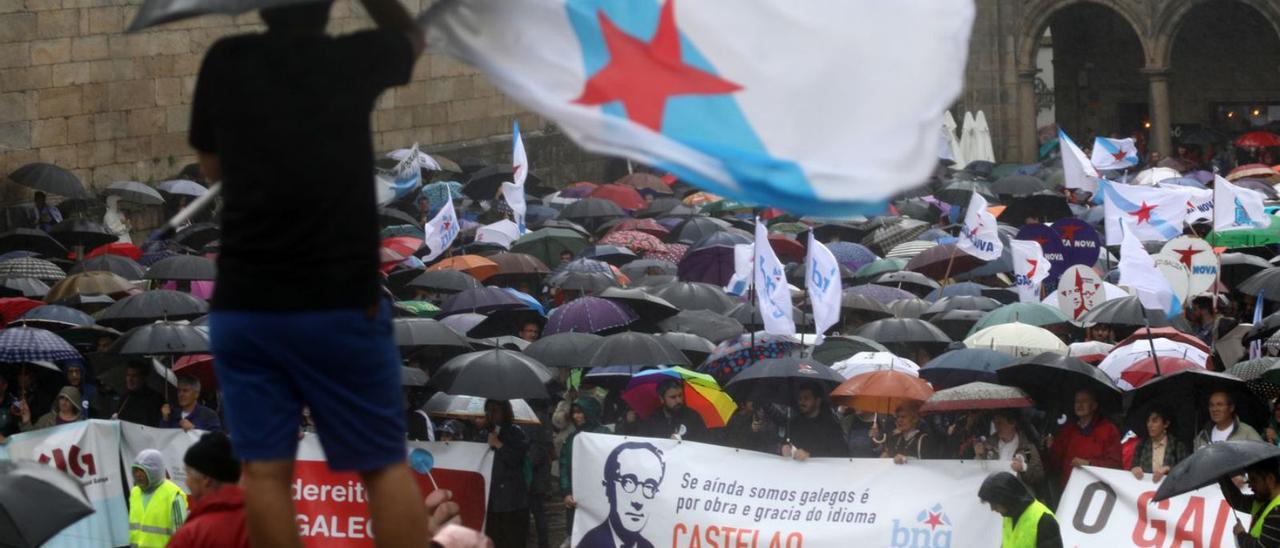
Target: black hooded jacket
[[1004, 489]]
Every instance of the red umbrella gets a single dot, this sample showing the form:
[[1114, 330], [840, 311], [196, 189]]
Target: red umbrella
[[580, 189], [881, 391], [647, 226], [398, 249], [1144, 370], [119, 248], [634, 240], [1165, 333], [13, 307], [645, 182], [1258, 139], [1253, 171], [787, 249], [199, 366], [626, 197]]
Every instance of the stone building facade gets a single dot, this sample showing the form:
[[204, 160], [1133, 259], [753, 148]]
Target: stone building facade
[[1155, 67]]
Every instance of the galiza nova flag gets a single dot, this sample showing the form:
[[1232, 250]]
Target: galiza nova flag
[[822, 119], [513, 191], [1077, 170], [980, 236], [773, 296], [440, 231], [1030, 268], [1237, 208], [822, 281], [1138, 271], [402, 179], [1114, 153], [1155, 214]]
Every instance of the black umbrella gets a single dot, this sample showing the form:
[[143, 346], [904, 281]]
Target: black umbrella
[[592, 212], [390, 216], [957, 323], [1212, 463], [416, 333], [412, 376], [116, 264], [1187, 393], [1018, 185], [37, 501], [868, 308], [908, 308], [960, 192], [1202, 136], [568, 349], [612, 254], [961, 302], [842, 347], [1053, 379], [182, 268], [904, 333], [23, 287], [504, 342], [694, 347], [1045, 207], [198, 235], [647, 267], [1125, 311], [695, 296], [162, 339], [506, 322], [494, 374], [81, 232], [647, 306], [908, 278], [776, 380], [709, 325], [30, 239], [49, 178], [843, 232], [481, 300], [695, 229], [613, 377], [484, 183], [149, 306], [1267, 280], [445, 281], [636, 349], [586, 282]]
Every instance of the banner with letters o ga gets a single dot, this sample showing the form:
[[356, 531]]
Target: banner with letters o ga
[[657, 492]]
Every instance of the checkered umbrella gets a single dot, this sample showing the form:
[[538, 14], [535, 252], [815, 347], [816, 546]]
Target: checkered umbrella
[[31, 267], [28, 344], [889, 236]]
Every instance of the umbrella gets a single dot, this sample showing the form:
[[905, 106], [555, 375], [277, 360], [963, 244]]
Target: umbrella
[[852, 256], [548, 243], [612, 254], [1259, 171], [133, 191], [713, 326], [29, 344], [909, 250], [1017, 339], [1236, 239], [201, 367], [636, 349], [390, 216], [81, 232], [1187, 392], [701, 394], [49, 178], [670, 253], [182, 268], [1237, 267], [162, 339], [878, 267], [866, 362], [445, 281], [646, 183], [589, 315], [481, 300], [645, 305], [787, 249], [840, 347], [521, 264], [563, 350], [1045, 207], [647, 267], [956, 323], [613, 377], [634, 240], [484, 184], [908, 307], [694, 347], [591, 212], [624, 196], [1212, 463], [494, 374], [711, 264], [13, 307], [665, 206], [880, 293], [54, 317], [881, 391], [777, 380], [959, 192], [23, 287], [88, 283], [900, 334], [911, 279], [643, 226], [1125, 311], [1258, 139], [1261, 375], [478, 267], [30, 239], [440, 191], [470, 408], [1164, 333], [1202, 136], [964, 365], [734, 355], [422, 309], [1141, 371], [31, 267], [122, 266], [889, 236], [695, 229], [1018, 185], [962, 302], [866, 307], [976, 396], [38, 500], [695, 296], [1036, 314], [1053, 379], [149, 306]]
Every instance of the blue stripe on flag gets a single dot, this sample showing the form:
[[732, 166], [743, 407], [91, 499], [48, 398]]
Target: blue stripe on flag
[[1166, 230]]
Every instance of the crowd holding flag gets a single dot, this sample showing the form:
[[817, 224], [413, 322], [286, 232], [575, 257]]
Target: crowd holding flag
[[1138, 271]]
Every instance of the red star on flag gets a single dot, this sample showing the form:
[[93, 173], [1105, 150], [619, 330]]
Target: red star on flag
[[934, 521], [1144, 213], [1034, 265], [1118, 155], [515, 171], [643, 75], [1186, 255], [1068, 231]]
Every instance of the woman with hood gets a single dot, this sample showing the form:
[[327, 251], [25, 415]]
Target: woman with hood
[[78, 378], [66, 408], [1027, 521], [585, 414], [115, 221]]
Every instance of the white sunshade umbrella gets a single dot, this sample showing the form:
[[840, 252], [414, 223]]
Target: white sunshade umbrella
[[867, 362], [1121, 358], [1017, 339]]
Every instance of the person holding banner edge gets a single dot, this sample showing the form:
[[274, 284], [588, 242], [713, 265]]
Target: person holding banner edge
[[1027, 522], [1264, 526]]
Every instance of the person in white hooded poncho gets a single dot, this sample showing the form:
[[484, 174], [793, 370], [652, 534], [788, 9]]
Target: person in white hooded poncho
[[115, 221]]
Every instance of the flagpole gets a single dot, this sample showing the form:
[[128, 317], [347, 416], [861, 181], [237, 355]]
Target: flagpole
[[1154, 358]]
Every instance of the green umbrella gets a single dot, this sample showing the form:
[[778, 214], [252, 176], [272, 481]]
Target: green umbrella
[[421, 309], [1245, 238], [547, 243], [788, 228], [723, 206], [1036, 314], [875, 268], [839, 348]]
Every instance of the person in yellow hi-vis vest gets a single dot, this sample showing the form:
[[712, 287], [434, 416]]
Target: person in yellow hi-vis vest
[[157, 506], [1264, 522], [1027, 523]]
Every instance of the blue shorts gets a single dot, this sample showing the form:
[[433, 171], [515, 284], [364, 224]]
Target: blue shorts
[[342, 363]]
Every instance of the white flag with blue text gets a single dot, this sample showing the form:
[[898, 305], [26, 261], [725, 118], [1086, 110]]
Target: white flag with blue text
[[440, 231], [822, 281], [980, 236], [693, 88], [1237, 208], [773, 296], [1030, 269]]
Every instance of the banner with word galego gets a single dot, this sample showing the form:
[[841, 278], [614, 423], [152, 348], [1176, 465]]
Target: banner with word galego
[[656, 492], [170, 442], [88, 451], [332, 506], [1102, 507]]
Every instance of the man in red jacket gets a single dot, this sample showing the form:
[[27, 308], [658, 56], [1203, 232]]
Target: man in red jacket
[[217, 507], [1088, 441]]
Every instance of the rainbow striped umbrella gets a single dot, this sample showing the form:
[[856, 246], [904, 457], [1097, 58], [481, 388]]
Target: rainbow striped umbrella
[[701, 394]]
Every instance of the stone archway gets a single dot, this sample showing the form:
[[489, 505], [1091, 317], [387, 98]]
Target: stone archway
[[1173, 15]]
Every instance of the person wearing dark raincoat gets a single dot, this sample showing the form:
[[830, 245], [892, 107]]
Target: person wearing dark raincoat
[[1027, 522]]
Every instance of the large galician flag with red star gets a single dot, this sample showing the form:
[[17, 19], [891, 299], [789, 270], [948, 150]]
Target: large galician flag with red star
[[820, 107], [1153, 213]]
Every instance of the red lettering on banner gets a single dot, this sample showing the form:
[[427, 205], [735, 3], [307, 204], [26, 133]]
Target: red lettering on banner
[[1140, 527], [715, 536], [1220, 523], [1193, 515]]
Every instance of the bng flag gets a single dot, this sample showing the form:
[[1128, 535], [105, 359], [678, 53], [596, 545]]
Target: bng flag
[[440, 231], [980, 236], [822, 281], [822, 119], [773, 296], [1030, 268]]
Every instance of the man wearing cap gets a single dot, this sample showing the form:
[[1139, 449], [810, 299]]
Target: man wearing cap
[[217, 510], [157, 506]]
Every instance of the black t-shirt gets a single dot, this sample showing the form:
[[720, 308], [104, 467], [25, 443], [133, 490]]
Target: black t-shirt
[[288, 117]]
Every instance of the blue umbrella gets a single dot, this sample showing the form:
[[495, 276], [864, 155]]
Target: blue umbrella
[[964, 366], [62, 316], [589, 315], [962, 289], [28, 344], [852, 256], [528, 299]]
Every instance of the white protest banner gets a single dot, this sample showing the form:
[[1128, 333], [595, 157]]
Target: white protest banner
[[332, 506], [88, 451], [1102, 507], [659, 492], [170, 442]]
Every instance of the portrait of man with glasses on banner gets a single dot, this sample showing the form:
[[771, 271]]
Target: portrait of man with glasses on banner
[[633, 473]]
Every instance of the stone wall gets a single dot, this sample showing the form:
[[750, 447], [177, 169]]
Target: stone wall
[[77, 91]]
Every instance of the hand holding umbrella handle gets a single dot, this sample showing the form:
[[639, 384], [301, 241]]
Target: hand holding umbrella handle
[[196, 206]]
